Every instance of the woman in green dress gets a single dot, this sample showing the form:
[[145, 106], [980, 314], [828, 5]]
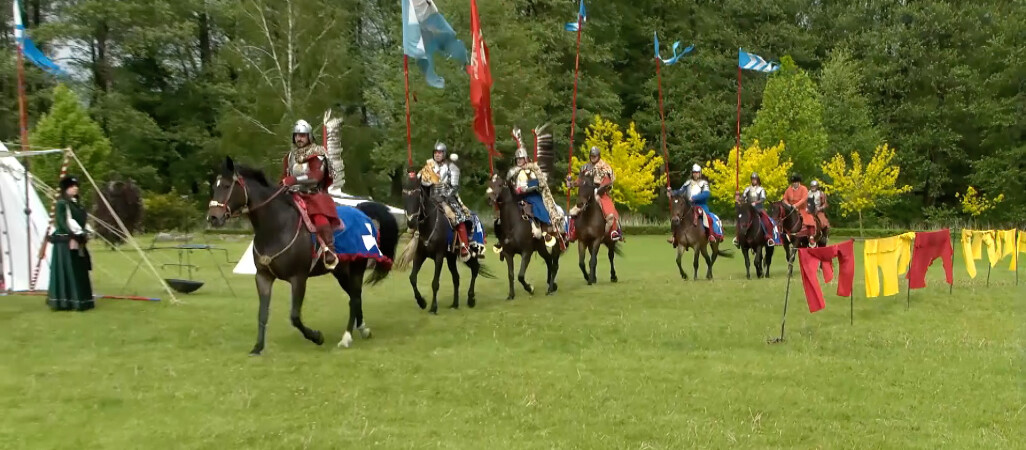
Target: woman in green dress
[[70, 288]]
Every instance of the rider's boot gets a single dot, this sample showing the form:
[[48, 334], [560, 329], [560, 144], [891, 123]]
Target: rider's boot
[[615, 235], [461, 233], [327, 235]]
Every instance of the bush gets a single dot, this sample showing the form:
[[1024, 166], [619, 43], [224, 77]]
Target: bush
[[169, 212]]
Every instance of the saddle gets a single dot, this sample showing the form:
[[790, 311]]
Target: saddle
[[527, 210], [301, 206]]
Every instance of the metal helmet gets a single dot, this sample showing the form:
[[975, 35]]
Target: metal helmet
[[440, 147], [520, 153], [696, 168], [595, 152], [301, 127], [815, 183], [755, 176]]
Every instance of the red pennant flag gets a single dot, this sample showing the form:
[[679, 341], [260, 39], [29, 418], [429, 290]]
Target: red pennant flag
[[480, 82]]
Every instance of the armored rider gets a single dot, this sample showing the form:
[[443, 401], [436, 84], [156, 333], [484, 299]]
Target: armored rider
[[818, 204], [527, 180], [308, 174], [444, 179], [698, 192], [755, 195], [602, 175]]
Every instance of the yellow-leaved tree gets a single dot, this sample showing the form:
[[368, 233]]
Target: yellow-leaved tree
[[975, 204], [762, 160], [862, 187], [634, 165]]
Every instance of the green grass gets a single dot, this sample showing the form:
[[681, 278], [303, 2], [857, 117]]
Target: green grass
[[650, 362]]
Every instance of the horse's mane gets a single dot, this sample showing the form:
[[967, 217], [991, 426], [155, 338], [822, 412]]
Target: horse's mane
[[252, 173]]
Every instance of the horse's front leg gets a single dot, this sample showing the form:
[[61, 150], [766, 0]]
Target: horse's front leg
[[612, 267], [525, 259], [748, 269], [554, 268], [450, 260], [698, 251], [509, 268], [594, 260], [758, 261], [351, 281], [548, 272], [680, 254], [768, 259], [264, 281], [298, 283], [581, 250], [435, 284], [418, 261]]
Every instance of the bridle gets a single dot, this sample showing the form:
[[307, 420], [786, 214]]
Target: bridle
[[237, 180]]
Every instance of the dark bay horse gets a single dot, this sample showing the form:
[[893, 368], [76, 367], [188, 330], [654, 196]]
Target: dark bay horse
[[590, 228], [516, 238], [689, 233], [750, 237], [789, 219], [431, 230], [283, 249]]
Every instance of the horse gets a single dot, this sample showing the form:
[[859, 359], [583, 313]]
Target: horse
[[283, 249], [590, 227], [515, 238], [789, 219], [822, 233], [431, 229], [750, 237], [691, 234]]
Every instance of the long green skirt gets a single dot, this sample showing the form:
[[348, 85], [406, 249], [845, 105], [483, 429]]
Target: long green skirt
[[70, 288]]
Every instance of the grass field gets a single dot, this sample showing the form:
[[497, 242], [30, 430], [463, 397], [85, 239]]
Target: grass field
[[652, 362]]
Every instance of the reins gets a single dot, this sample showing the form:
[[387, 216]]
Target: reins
[[246, 209]]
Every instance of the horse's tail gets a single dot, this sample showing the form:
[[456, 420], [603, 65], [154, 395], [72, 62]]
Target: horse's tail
[[388, 229], [618, 249], [724, 253], [484, 271]]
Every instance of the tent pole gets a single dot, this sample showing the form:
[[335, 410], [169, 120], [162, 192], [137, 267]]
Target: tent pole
[[23, 123]]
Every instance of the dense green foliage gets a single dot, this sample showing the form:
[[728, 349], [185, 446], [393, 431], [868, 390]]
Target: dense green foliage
[[176, 84]]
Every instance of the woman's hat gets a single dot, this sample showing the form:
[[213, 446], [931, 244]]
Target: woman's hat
[[67, 182]]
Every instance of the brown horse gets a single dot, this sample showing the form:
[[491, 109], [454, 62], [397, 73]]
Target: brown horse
[[513, 230], [689, 233], [750, 237], [789, 219], [590, 228]]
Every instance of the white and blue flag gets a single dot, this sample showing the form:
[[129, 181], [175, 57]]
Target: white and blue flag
[[582, 16], [676, 56], [425, 32], [29, 49], [751, 61]]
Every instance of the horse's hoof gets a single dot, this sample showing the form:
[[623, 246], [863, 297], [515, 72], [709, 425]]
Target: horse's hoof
[[433, 311], [530, 289], [347, 340], [454, 306], [749, 277], [318, 337], [471, 302], [254, 352], [365, 332], [613, 279], [509, 297], [421, 303]]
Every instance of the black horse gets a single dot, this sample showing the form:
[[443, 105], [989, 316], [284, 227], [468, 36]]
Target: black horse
[[591, 233], [283, 249], [430, 239], [750, 237], [689, 233], [513, 230]]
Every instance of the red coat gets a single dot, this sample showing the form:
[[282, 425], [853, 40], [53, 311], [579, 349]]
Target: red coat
[[799, 198], [318, 202]]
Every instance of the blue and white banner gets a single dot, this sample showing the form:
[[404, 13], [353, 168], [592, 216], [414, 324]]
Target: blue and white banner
[[676, 56], [751, 61], [425, 32], [582, 16], [29, 49]]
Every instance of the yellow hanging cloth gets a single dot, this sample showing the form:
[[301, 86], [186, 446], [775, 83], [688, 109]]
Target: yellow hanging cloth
[[967, 252], [1019, 248], [890, 256], [972, 248], [1006, 245]]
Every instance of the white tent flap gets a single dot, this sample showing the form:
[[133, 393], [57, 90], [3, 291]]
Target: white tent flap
[[20, 241]]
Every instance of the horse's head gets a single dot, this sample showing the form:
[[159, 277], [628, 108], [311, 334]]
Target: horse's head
[[585, 192], [230, 196], [412, 199], [495, 187], [680, 206]]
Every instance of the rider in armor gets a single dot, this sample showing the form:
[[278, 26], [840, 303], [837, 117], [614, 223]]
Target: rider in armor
[[756, 196], [307, 173], [602, 175], [526, 178], [697, 190], [444, 179], [818, 204]]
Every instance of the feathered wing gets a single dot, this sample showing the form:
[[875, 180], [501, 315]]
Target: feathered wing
[[333, 147], [543, 148]]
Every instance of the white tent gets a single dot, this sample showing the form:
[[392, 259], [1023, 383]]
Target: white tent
[[246, 266], [20, 241]]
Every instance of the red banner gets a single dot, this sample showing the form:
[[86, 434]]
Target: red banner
[[480, 82]]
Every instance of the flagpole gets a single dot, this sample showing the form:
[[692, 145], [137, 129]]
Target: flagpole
[[406, 83], [23, 123], [573, 111], [662, 121], [737, 140]]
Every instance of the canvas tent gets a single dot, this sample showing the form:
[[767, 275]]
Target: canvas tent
[[246, 265], [20, 240]]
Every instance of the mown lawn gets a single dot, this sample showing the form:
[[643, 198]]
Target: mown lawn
[[650, 362]]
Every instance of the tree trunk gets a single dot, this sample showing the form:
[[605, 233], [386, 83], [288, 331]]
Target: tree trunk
[[204, 38]]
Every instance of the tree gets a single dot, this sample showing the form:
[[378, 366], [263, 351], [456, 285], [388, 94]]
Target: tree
[[975, 204], [847, 117], [863, 187], [791, 112], [634, 165], [765, 161], [68, 125]]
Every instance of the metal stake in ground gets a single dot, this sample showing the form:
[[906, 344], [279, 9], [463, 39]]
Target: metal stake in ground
[[787, 294]]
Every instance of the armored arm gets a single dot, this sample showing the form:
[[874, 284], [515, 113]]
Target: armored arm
[[454, 177]]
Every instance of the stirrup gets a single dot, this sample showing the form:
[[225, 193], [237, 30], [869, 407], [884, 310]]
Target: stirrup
[[770, 243], [736, 243], [324, 257]]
